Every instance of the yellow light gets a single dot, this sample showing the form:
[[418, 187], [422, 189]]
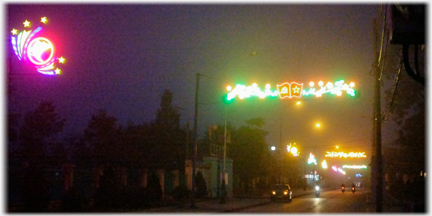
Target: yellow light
[[229, 88], [14, 31], [294, 150], [318, 125], [311, 84], [26, 23], [57, 71], [298, 103], [337, 147], [274, 192], [61, 60], [351, 84], [285, 192], [44, 20]]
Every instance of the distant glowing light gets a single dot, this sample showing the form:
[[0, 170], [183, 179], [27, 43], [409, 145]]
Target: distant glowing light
[[39, 51], [354, 166], [346, 155], [298, 103], [318, 125], [273, 148]]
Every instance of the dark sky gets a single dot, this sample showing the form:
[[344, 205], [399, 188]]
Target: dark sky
[[121, 57]]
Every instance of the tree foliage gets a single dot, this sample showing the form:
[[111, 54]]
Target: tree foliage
[[38, 126], [249, 151], [167, 138], [102, 135]]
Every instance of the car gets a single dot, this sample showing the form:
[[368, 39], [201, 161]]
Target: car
[[281, 192]]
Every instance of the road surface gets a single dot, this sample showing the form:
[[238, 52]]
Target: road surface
[[333, 201]]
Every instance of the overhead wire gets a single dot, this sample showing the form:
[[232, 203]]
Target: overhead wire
[[390, 103]]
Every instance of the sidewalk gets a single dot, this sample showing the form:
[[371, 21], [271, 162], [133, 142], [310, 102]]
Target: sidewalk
[[231, 205]]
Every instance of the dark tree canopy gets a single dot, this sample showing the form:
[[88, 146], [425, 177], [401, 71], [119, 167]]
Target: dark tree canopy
[[38, 126], [168, 115]]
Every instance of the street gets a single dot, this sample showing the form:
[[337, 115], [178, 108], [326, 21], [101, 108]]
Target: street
[[333, 201]]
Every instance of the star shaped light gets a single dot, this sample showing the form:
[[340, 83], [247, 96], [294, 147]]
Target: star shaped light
[[57, 71], [296, 89], [14, 31], [44, 20], [26, 23], [61, 59]]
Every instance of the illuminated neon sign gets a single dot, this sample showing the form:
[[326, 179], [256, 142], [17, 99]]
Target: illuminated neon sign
[[324, 164], [346, 155], [336, 169], [354, 166], [291, 90], [38, 51], [311, 159]]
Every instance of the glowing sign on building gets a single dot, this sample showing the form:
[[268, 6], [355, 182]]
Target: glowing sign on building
[[291, 90], [346, 155], [34, 49], [354, 166]]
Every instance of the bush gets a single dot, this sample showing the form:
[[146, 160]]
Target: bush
[[73, 201], [201, 186], [181, 192], [153, 189]]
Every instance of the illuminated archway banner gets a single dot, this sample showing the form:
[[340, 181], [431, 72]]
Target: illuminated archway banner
[[38, 51], [291, 90], [346, 155]]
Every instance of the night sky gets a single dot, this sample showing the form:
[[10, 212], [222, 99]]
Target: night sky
[[121, 57]]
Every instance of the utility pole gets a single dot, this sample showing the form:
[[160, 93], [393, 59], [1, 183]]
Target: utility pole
[[192, 205], [377, 122], [187, 140]]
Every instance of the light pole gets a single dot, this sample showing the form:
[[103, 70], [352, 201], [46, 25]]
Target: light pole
[[192, 205], [223, 200]]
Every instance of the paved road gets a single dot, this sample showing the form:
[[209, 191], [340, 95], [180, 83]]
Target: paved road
[[333, 201]]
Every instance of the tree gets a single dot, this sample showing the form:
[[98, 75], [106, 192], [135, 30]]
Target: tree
[[39, 125], [102, 134], [249, 151], [201, 185], [167, 138]]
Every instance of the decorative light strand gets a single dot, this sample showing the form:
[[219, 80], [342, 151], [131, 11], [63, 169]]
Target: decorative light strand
[[291, 90]]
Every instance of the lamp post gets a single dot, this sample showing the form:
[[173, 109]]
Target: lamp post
[[192, 205], [223, 200]]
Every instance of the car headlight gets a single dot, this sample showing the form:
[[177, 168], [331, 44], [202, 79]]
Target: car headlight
[[317, 187], [274, 192]]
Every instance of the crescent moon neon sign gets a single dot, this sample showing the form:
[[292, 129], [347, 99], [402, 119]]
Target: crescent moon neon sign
[[38, 51]]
